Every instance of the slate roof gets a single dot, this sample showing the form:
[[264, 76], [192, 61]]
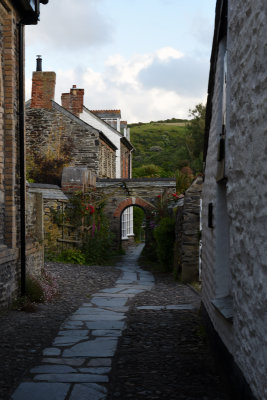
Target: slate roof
[[49, 192]]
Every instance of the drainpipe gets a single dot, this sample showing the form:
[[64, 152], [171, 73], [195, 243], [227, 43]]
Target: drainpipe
[[22, 161]]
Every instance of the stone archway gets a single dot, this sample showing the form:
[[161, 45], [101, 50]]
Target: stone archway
[[118, 215], [132, 201]]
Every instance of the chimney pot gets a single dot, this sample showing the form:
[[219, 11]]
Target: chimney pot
[[73, 101], [39, 63]]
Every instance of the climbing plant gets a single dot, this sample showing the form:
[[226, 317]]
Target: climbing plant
[[46, 166], [84, 213]]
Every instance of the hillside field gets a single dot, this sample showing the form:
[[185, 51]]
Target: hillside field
[[163, 144]]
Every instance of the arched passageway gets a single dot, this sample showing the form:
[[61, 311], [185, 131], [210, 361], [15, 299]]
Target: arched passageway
[[121, 194], [129, 221], [133, 225]]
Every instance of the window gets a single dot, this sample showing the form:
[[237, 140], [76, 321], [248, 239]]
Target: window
[[127, 223]]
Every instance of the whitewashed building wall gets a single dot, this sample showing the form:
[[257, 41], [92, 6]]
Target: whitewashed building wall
[[113, 135], [234, 253]]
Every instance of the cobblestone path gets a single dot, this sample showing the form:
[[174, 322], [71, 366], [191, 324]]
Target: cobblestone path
[[138, 339], [78, 363]]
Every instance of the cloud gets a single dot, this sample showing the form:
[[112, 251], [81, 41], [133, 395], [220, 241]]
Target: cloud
[[167, 53], [135, 85], [79, 28], [122, 85], [187, 76]]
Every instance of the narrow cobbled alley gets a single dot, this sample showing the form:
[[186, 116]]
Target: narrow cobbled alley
[[127, 335]]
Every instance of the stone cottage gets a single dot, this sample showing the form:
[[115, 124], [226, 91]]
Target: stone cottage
[[57, 135], [13, 16], [108, 122], [234, 218]]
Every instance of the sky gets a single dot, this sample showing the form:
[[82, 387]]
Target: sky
[[148, 58]]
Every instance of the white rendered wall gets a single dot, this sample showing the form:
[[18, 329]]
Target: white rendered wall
[[110, 133], [246, 193]]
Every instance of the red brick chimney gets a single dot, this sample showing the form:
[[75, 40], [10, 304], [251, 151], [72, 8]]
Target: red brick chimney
[[73, 101], [43, 87]]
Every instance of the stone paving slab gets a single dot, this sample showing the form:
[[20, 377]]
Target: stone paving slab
[[51, 351], [97, 317], [74, 362], [74, 333], [96, 362], [109, 301], [88, 392], [102, 324], [100, 347], [41, 391], [67, 340], [106, 332], [52, 369]]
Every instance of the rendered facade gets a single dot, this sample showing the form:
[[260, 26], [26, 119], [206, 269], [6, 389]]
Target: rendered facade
[[234, 217]]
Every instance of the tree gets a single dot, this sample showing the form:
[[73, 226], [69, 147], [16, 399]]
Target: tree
[[147, 171], [195, 141]]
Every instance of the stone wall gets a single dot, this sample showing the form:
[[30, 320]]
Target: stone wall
[[53, 199], [56, 133], [122, 193], [107, 161], [187, 233], [34, 233], [52, 132], [241, 200]]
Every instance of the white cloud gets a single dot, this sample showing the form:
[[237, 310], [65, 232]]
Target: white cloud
[[167, 53], [185, 76], [81, 27], [124, 85]]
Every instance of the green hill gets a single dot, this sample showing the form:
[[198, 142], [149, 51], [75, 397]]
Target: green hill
[[161, 144], [169, 145]]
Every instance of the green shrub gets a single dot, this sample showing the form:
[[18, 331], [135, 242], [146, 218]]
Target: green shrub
[[34, 290], [98, 246], [72, 256], [138, 218], [164, 235]]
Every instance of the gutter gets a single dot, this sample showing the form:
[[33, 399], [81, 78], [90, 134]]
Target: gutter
[[22, 161]]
